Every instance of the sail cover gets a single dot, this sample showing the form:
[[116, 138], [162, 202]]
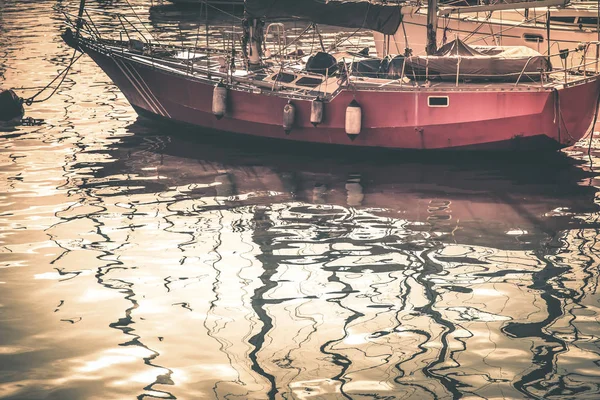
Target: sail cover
[[384, 18], [504, 63]]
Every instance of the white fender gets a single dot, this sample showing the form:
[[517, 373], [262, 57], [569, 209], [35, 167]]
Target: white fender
[[353, 120], [219, 103]]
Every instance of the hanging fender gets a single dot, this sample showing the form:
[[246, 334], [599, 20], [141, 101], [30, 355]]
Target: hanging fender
[[316, 111], [289, 114], [219, 102], [353, 119]]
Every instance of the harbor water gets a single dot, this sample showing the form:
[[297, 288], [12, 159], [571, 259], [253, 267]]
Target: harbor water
[[145, 260]]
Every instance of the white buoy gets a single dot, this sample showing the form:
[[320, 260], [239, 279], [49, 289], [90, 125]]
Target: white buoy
[[289, 114], [316, 111], [219, 104], [353, 120]]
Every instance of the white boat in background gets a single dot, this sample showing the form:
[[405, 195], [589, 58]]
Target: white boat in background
[[549, 27], [216, 2]]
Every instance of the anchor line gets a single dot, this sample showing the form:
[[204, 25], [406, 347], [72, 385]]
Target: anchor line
[[30, 100]]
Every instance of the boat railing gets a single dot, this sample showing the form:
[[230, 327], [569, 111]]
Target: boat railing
[[137, 33], [125, 23], [276, 31], [524, 69], [86, 27], [578, 69]]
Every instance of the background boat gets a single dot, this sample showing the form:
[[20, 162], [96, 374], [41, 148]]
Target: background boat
[[570, 24], [215, 2]]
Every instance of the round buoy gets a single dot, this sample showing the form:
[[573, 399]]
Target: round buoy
[[353, 119], [11, 106], [316, 111], [219, 104], [289, 113]]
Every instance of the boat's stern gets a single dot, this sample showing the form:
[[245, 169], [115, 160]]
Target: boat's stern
[[576, 109]]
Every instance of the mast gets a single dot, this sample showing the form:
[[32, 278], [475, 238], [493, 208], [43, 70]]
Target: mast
[[79, 20], [431, 26], [253, 41], [253, 38], [360, 14]]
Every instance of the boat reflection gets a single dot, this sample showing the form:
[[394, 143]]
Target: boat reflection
[[325, 277], [143, 261]]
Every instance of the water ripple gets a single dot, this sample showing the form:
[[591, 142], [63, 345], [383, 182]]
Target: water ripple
[[139, 260]]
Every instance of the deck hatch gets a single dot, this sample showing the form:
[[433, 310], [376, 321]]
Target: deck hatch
[[563, 20], [588, 21], [309, 81], [283, 77], [533, 37], [438, 101]]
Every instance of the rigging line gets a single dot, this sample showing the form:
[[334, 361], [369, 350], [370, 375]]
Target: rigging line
[[141, 22], [195, 48], [406, 46], [356, 31], [508, 29], [486, 20], [319, 36], [296, 39], [336, 44], [362, 26], [366, 15], [396, 44], [477, 29], [205, 2], [312, 44]]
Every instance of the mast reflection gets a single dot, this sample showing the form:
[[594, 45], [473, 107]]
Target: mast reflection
[[348, 280]]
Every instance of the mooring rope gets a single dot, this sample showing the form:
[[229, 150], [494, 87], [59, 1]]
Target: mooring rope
[[30, 100], [592, 132]]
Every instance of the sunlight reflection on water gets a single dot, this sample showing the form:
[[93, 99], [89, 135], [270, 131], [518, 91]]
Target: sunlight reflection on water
[[142, 260]]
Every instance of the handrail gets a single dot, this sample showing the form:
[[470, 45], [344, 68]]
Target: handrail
[[122, 17], [582, 47], [85, 27], [524, 68]]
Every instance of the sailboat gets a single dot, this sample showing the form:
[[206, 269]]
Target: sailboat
[[456, 97], [547, 26]]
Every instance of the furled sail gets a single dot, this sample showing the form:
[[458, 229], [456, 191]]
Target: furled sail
[[384, 18]]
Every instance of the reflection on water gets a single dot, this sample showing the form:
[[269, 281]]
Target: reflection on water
[[149, 261]]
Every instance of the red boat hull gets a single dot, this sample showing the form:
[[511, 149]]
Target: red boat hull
[[474, 119]]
